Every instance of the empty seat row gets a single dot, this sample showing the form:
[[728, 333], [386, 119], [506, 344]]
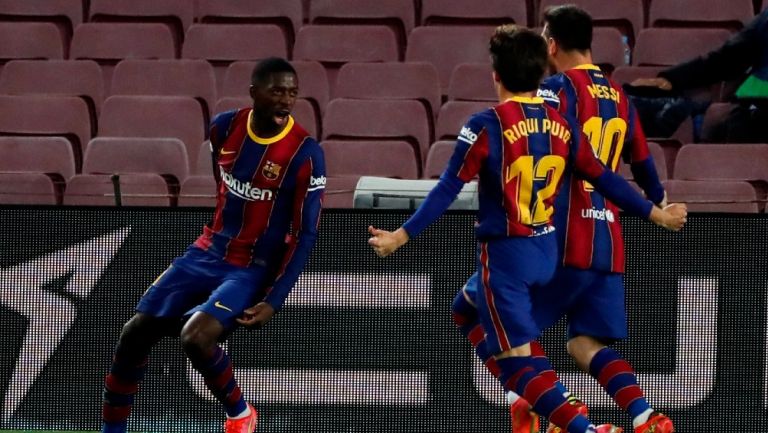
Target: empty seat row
[[443, 46], [401, 15], [166, 159]]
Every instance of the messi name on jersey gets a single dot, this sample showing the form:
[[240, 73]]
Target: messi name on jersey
[[244, 190]]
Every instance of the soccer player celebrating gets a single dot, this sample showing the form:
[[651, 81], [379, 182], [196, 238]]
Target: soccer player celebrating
[[521, 149], [270, 180], [588, 285], [590, 282]]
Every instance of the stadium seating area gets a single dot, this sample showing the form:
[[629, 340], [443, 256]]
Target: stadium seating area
[[90, 89]]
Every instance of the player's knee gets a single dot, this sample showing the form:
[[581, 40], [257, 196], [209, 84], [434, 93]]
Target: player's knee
[[195, 341], [199, 335], [135, 329], [582, 348], [462, 311]]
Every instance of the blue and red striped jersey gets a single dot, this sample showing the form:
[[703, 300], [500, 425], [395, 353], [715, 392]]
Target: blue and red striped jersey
[[588, 225], [269, 197], [520, 149]]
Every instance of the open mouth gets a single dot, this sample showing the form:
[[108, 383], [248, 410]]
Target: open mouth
[[281, 117]]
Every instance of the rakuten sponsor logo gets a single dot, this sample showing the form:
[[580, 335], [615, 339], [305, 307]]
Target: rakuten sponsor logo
[[244, 190], [598, 214]]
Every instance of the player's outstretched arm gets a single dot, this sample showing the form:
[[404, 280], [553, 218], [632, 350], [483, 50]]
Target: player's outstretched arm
[[672, 217], [386, 243]]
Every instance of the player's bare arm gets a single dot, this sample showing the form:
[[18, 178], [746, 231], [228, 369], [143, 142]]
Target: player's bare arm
[[385, 242]]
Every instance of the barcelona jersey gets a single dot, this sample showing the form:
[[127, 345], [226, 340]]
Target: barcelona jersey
[[520, 150], [269, 195], [589, 230]]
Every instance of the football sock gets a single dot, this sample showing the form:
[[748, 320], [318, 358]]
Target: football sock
[[618, 378], [542, 365], [466, 319], [120, 387], [217, 373], [642, 418], [518, 374], [242, 414]]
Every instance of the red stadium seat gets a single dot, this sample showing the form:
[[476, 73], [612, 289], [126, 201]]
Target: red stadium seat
[[23, 40], [607, 48], [389, 158], [391, 80], [445, 47], [168, 78], [203, 166], [287, 14], [303, 112], [154, 117], [333, 45], [214, 42], [232, 103], [198, 190], [56, 77], [713, 196], [354, 119], [713, 125], [27, 188], [472, 82], [108, 43], [628, 74], [670, 46], [136, 189], [51, 156], [176, 14], [728, 14], [164, 156], [40, 115], [437, 159], [659, 159], [625, 15], [313, 82], [469, 12], [340, 191], [400, 15], [722, 162], [65, 14], [454, 114]]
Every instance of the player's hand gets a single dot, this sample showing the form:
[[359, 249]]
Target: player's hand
[[672, 217], [661, 83], [384, 242], [256, 316]]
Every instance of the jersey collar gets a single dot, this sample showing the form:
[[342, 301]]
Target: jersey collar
[[526, 100], [270, 140], [587, 66]]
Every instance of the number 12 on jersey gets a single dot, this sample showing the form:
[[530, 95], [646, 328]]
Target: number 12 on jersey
[[547, 170]]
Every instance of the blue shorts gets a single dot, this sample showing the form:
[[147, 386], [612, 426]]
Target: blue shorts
[[592, 301], [509, 269], [199, 281]]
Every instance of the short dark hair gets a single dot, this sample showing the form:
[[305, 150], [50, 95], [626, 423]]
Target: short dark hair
[[570, 26], [271, 65], [519, 57]]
